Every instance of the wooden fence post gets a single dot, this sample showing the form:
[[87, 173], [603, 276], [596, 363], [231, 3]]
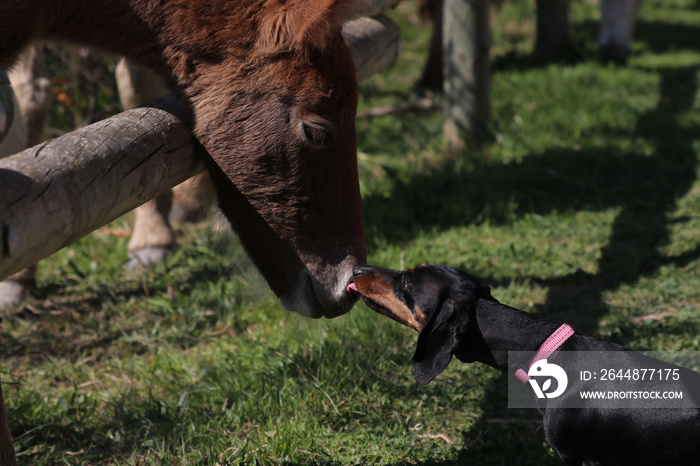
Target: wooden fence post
[[466, 43]]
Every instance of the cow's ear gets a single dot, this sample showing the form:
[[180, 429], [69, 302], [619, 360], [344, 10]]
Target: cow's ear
[[437, 342], [298, 25]]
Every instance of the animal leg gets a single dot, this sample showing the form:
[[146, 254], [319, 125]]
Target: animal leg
[[191, 199], [153, 239], [617, 22], [13, 132], [15, 288], [32, 89]]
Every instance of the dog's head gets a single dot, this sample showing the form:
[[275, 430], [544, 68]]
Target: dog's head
[[438, 301]]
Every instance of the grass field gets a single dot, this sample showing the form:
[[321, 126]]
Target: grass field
[[584, 207]]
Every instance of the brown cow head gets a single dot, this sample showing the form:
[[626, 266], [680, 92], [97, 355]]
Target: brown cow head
[[272, 88], [274, 102]]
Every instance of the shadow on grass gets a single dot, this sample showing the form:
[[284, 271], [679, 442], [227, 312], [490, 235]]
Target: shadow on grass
[[645, 189], [583, 46], [657, 37], [501, 436], [70, 434], [79, 311], [642, 226]]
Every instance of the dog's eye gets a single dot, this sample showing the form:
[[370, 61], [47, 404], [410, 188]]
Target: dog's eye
[[404, 281]]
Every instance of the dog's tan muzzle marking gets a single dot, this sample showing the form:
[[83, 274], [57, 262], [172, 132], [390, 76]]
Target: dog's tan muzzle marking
[[377, 292]]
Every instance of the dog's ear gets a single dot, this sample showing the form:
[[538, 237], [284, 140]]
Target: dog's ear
[[437, 341]]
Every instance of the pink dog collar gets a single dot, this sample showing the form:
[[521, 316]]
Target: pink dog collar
[[551, 344]]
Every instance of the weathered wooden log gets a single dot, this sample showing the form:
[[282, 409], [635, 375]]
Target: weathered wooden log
[[374, 43], [61, 190], [58, 191]]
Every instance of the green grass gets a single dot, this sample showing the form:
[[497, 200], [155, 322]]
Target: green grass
[[584, 207]]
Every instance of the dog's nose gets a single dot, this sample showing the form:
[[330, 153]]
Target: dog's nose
[[360, 270]]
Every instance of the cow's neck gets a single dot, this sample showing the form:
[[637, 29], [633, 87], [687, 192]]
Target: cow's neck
[[118, 26], [169, 37]]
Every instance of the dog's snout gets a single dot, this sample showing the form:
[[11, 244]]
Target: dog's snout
[[360, 270]]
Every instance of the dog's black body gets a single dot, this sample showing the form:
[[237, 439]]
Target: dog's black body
[[456, 315]]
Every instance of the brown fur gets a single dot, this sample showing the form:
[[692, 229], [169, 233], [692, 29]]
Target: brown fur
[[266, 81], [294, 25]]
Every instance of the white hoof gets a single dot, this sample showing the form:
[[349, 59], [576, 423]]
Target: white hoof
[[147, 256], [12, 292]]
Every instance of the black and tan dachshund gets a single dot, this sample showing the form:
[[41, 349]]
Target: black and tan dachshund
[[456, 315]]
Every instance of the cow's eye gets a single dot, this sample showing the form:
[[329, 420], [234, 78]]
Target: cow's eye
[[318, 135]]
